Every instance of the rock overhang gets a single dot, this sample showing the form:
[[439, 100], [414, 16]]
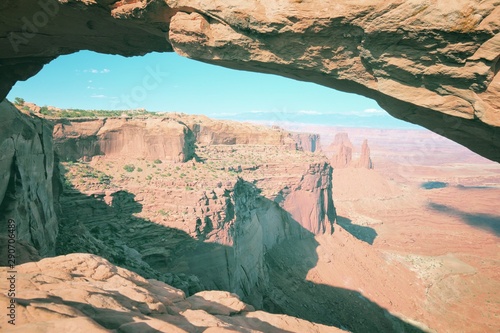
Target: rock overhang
[[430, 63]]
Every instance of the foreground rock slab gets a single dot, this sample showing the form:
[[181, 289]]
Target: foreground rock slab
[[86, 293]]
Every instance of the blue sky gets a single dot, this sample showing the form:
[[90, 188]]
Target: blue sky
[[168, 82]]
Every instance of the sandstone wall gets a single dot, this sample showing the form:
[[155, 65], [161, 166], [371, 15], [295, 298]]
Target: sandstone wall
[[29, 183], [310, 203], [244, 225], [152, 138]]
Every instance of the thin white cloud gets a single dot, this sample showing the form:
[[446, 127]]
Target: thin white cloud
[[374, 111], [98, 96], [310, 112], [97, 71]]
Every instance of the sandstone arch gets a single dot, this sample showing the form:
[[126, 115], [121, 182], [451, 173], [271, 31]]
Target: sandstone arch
[[429, 62]]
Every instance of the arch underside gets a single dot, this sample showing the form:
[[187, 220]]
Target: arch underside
[[424, 62]]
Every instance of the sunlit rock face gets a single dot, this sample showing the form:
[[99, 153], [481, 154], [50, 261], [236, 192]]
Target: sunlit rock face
[[163, 139], [433, 63], [365, 160]]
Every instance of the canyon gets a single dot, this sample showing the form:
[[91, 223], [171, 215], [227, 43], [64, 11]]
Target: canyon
[[427, 62], [250, 212], [172, 222], [198, 225]]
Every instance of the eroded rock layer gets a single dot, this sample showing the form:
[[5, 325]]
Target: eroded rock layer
[[433, 63]]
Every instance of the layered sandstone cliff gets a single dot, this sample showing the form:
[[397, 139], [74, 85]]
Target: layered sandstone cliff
[[29, 183], [307, 141], [165, 136], [433, 63], [310, 202], [151, 138], [208, 223]]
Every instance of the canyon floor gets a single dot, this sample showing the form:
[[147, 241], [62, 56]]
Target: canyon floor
[[420, 233]]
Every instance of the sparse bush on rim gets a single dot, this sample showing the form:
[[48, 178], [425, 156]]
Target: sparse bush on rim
[[129, 167]]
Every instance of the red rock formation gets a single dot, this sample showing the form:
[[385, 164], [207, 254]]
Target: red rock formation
[[310, 203], [343, 157], [365, 160], [342, 150], [340, 139], [154, 138], [224, 132], [218, 217], [166, 137], [307, 142]]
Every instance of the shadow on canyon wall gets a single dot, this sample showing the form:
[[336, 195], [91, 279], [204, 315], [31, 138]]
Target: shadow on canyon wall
[[90, 225], [486, 222]]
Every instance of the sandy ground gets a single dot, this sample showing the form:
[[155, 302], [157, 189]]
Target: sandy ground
[[419, 235]]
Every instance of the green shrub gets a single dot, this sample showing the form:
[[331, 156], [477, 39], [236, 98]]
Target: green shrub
[[19, 101], [139, 169], [104, 179], [129, 167], [45, 111], [163, 212], [157, 161]]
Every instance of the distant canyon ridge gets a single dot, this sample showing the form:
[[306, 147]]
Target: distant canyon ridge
[[432, 63]]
